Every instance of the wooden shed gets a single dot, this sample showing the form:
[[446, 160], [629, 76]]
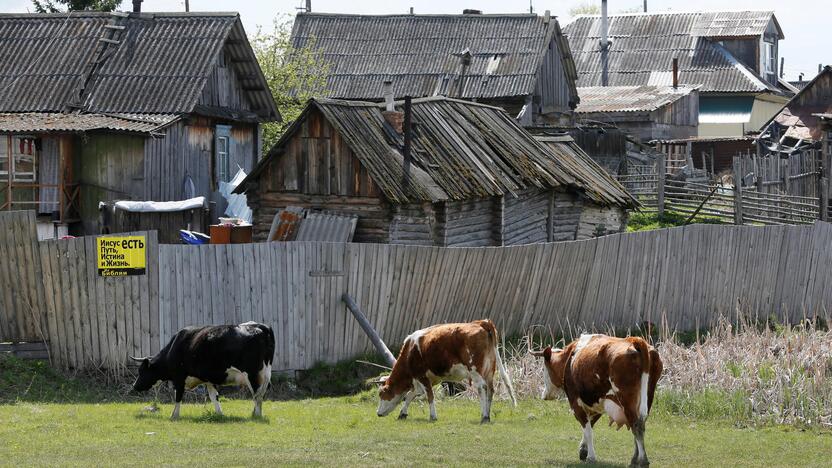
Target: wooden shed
[[646, 112], [475, 178], [125, 106]]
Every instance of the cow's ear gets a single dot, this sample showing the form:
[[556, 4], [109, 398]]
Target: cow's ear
[[547, 353]]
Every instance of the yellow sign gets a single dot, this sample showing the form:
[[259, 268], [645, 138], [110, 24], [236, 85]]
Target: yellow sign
[[121, 256]]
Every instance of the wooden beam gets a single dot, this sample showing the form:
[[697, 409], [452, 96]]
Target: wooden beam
[[369, 330]]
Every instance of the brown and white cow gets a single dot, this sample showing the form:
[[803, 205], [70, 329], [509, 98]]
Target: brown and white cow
[[452, 352], [604, 374]]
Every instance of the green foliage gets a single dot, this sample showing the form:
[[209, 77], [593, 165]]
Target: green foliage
[[58, 6], [585, 8], [24, 380], [294, 75], [646, 221]]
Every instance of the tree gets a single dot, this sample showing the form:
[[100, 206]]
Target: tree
[[58, 6], [585, 8], [294, 74]]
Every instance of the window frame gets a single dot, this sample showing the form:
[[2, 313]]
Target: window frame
[[770, 57]]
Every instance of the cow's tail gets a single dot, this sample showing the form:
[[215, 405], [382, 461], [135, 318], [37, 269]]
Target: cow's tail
[[492, 334], [268, 352], [644, 364]]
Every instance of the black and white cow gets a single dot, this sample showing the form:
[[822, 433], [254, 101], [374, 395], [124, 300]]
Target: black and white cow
[[213, 355]]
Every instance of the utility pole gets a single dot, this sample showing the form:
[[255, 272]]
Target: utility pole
[[605, 45]]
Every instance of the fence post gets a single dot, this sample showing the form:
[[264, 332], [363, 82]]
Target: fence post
[[660, 176], [737, 192], [823, 202]]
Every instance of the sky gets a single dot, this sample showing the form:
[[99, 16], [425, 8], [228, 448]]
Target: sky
[[805, 23]]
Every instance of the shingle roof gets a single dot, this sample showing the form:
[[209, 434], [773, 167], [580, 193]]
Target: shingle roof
[[461, 150], [159, 64], [644, 46], [421, 53], [628, 98], [41, 122]]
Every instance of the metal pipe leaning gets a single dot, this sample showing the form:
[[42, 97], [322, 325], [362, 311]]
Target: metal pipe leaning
[[368, 329]]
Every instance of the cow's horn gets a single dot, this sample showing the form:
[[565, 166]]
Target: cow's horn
[[137, 359]]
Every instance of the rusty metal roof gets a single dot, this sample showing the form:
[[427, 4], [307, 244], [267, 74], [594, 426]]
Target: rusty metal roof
[[421, 54], [799, 117], [158, 62], [629, 98], [40, 122], [644, 46], [461, 150]]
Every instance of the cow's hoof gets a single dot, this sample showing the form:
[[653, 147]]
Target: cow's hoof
[[485, 420], [582, 453], [433, 419], [402, 416], [640, 463]]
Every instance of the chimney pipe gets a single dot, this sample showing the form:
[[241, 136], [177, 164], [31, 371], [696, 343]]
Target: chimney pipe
[[782, 67], [645, 6], [675, 72], [187, 6], [137, 6], [309, 6], [387, 90], [800, 78], [408, 123], [411, 10], [605, 45]]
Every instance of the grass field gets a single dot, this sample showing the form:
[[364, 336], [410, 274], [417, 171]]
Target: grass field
[[345, 431]]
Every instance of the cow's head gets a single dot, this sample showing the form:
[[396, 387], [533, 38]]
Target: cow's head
[[148, 375], [554, 365], [390, 394]]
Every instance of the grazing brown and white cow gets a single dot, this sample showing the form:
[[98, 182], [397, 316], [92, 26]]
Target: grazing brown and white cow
[[452, 352], [604, 374]]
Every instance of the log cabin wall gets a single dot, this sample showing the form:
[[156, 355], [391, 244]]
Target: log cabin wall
[[526, 217], [469, 223], [413, 224], [597, 220]]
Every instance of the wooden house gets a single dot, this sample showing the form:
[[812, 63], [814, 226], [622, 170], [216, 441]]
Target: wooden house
[[113, 106], [474, 177], [732, 56], [797, 126], [646, 112], [520, 62]]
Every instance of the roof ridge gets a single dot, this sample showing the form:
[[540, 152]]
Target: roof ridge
[[417, 15], [669, 12]]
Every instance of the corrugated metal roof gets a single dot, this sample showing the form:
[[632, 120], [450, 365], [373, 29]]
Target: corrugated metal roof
[[644, 46], [53, 62], [461, 150], [421, 53], [628, 98], [326, 227], [719, 24], [55, 122]]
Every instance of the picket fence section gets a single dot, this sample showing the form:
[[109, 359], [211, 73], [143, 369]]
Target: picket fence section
[[687, 276]]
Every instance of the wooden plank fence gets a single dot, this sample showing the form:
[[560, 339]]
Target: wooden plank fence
[[690, 276]]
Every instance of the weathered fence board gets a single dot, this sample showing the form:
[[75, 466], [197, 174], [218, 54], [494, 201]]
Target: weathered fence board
[[688, 276]]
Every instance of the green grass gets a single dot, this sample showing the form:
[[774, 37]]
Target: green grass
[[649, 221], [50, 419], [345, 431]]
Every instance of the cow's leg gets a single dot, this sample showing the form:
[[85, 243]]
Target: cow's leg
[[407, 399], [429, 393], [639, 456], [483, 403], [586, 451], [213, 395], [179, 387]]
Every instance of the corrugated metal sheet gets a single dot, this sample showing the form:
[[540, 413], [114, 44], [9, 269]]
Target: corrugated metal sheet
[[719, 24], [55, 122], [461, 150], [326, 227], [421, 53], [643, 49], [629, 98], [160, 64]]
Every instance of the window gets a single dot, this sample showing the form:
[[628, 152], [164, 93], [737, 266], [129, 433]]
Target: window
[[23, 160], [769, 57], [222, 159]]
